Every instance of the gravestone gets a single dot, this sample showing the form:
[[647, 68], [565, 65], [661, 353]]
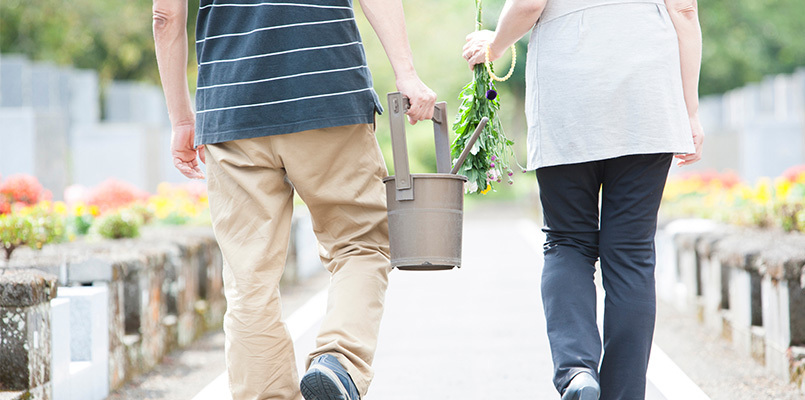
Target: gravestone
[[123, 151], [768, 147], [45, 86], [15, 81], [89, 341], [135, 102], [60, 326], [84, 105], [35, 142], [710, 113], [767, 93]]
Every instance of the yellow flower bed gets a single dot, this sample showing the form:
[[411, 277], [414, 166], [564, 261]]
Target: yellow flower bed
[[778, 202]]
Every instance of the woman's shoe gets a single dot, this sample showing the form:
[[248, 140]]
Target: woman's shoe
[[582, 387]]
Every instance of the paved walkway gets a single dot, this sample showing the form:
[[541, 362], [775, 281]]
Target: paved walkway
[[473, 333]]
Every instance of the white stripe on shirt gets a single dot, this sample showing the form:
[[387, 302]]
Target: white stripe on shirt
[[282, 77], [278, 53], [274, 4], [276, 27], [283, 101]]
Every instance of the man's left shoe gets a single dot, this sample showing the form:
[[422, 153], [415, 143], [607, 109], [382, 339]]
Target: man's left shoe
[[326, 379]]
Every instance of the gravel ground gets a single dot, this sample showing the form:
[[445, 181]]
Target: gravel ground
[[713, 364]]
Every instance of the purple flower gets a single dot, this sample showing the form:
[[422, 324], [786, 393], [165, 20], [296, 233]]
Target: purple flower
[[511, 173], [491, 94], [492, 165], [494, 158]]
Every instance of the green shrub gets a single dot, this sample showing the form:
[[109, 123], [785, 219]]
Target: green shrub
[[38, 227], [15, 231], [117, 225], [80, 224]]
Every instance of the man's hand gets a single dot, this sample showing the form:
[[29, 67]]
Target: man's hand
[[420, 97], [183, 152], [698, 140], [388, 21]]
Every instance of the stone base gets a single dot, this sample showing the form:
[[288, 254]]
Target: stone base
[[44, 392], [758, 346]]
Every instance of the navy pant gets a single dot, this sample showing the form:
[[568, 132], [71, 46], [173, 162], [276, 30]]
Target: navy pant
[[631, 188]]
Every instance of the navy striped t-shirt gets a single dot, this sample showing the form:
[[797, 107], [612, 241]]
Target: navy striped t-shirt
[[279, 66]]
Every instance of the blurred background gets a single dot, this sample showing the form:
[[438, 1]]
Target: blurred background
[[84, 153], [80, 101]]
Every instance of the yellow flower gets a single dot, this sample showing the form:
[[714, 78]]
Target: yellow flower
[[762, 194], [60, 208], [488, 188], [161, 206], [782, 187]]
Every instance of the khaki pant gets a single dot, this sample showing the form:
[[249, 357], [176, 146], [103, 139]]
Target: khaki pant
[[337, 172]]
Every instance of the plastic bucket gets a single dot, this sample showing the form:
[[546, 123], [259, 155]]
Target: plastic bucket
[[425, 211], [425, 233]]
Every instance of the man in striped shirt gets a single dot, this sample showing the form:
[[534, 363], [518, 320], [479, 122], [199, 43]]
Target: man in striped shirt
[[285, 103]]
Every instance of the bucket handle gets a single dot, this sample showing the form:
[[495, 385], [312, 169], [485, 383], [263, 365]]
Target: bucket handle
[[398, 105], [468, 146]]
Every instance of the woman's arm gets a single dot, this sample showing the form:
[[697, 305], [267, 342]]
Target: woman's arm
[[170, 40], [685, 16], [517, 17]]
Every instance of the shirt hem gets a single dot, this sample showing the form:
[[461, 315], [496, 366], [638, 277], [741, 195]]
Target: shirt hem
[[284, 129], [604, 156]]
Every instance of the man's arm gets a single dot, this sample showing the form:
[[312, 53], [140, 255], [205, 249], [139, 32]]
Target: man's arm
[[685, 16], [517, 18], [388, 21], [170, 39]]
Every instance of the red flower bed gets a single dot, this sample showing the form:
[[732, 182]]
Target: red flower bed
[[113, 194], [20, 188]]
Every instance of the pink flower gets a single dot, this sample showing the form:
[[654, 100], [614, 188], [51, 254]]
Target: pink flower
[[22, 188], [113, 194], [76, 194]]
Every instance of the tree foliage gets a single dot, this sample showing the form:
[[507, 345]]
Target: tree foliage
[[111, 37], [744, 39], [747, 39]]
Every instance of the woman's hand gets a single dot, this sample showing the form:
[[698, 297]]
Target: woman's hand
[[475, 49], [698, 140]]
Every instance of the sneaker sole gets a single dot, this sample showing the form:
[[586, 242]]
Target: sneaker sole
[[585, 393], [320, 383]]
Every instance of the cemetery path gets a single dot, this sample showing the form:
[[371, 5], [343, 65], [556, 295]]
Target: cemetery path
[[479, 333]]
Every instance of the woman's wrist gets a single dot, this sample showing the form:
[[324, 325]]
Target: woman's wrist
[[494, 49]]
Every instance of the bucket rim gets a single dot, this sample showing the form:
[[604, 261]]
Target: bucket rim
[[429, 176]]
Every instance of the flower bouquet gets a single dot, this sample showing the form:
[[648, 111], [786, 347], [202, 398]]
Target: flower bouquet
[[486, 164]]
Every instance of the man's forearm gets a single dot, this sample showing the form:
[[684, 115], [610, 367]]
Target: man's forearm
[[516, 19], [170, 38], [685, 16], [388, 21]]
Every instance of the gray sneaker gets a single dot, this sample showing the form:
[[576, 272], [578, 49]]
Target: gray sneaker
[[582, 387], [326, 379]]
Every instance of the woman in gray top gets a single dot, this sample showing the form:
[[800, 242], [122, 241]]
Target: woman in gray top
[[611, 99]]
